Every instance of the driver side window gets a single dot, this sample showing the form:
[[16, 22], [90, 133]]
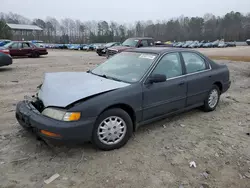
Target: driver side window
[[16, 45], [170, 65]]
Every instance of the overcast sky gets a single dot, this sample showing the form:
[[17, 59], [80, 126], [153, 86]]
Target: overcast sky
[[121, 10]]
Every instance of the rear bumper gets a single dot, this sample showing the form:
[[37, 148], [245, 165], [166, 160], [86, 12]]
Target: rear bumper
[[226, 86], [29, 118]]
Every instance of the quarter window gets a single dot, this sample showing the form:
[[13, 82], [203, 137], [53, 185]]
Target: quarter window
[[169, 65], [193, 62]]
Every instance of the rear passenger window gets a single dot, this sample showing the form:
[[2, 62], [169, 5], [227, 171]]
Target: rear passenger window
[[194, 63], [26, 45]]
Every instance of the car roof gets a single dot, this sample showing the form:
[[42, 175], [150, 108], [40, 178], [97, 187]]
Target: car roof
[[22, 41], [157, 50]]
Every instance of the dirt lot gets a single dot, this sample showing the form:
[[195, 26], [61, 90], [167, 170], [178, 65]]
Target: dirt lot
[[158, 155]]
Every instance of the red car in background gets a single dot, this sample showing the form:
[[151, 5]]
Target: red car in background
[[22, 48]]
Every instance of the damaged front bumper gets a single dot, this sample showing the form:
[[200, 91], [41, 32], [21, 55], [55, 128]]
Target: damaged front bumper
[[30, 118]]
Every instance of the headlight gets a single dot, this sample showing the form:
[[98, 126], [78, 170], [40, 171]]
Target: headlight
[[61, 115]]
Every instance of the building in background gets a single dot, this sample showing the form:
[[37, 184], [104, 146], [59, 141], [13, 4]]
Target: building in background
[[25, 32]]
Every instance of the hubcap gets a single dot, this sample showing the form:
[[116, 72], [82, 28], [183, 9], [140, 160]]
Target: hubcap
[[213, 98], [111, 130]]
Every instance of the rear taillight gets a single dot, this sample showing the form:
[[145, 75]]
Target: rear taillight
[[5, 51]]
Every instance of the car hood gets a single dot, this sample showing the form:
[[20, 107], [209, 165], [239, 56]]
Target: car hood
[[120, 48], [63, 88]]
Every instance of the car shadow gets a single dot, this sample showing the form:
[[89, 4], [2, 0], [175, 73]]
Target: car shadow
[[26, 57], [4, 69], [168, 120]]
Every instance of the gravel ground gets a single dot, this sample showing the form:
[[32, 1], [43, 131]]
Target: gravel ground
[[158, 155]]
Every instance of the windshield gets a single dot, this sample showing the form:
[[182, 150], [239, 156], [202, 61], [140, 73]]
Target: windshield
[[125, 66], [109, 44], [130, 42], [8, 45]]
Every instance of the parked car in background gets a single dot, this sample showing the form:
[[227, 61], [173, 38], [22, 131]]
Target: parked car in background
[[231, 44], [215, 43], [5, 59], [102, 49], [248, 41], [200, 44], [131, 89], [22, 48], [180, 44], [194, 44], [222, 44], [4, 41], [187, 43], [208, 45], [129, 44]]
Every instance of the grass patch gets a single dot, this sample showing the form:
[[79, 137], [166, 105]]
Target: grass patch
[[231, 58]]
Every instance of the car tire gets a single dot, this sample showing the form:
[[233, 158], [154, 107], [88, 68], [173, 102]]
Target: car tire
[[121, 122], [35, 55], [212, 99]]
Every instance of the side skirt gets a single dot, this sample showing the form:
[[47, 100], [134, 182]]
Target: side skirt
[[167, 115]]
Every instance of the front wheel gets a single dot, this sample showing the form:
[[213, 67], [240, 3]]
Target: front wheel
[[112, 129], [212, 99], [35, 54]]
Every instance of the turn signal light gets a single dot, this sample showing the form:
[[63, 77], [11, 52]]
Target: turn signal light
[[72, 116], [47, 133]]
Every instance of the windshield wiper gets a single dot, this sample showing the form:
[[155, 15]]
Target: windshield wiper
[[116, 79]]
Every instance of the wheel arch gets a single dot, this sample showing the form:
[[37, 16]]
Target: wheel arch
[[219, 85], [127, 108]]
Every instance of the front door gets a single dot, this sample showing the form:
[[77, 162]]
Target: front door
[[15, 49], [169, 96]]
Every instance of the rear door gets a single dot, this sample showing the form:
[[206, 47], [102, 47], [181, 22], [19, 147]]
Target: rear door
[[26, 49], [169, 96], [198, 77]]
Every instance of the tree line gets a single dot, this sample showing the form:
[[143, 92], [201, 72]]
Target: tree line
[[233, 26]]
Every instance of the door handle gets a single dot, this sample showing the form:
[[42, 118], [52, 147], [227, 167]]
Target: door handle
[[181, 83], [209, 76]]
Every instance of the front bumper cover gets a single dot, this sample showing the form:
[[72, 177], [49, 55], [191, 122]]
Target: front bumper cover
[[30, 118]]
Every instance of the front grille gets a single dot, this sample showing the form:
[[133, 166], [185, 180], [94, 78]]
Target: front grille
[[112, 52]]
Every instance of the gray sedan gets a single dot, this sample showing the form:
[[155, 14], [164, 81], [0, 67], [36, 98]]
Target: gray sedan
[[133, 88], [5, 59]]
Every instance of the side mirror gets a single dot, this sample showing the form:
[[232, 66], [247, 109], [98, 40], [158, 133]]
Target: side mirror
[[155, 78], [10, 47]]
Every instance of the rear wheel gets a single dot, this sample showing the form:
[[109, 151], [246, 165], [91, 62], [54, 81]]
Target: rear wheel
[[112, 129], [212, 99]]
